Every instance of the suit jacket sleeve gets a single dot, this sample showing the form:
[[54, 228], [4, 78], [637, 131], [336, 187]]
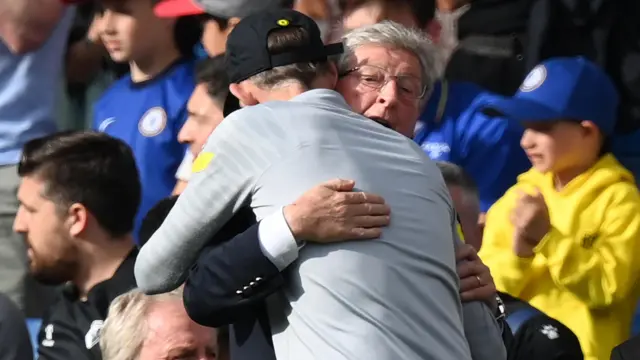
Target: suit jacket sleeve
[[229, 280]]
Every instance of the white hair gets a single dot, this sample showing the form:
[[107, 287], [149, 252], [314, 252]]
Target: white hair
[[394, 35], [125, 328]]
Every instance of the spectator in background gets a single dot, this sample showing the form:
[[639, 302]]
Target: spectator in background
[[15, 343], [205, 109], [154, 327], [147, 108], [33, 37], [219, 17], [358, 13], [565, 237], [464, 194], [323, 12], [78, 198], [535, 336], [488, 40]]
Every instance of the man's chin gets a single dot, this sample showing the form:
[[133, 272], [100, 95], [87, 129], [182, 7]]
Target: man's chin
[[46, 278], [382, 122]]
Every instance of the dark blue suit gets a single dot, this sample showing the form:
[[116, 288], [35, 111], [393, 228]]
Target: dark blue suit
[[221, 290]]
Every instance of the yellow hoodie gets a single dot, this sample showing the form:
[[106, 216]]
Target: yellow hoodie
[[585, 270]]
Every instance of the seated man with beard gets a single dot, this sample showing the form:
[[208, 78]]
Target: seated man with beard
[[78, 231], [317, 135]]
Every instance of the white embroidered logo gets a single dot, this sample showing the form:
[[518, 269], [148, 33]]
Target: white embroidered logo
[[105, 124], [48, 336], [536, 77], [93, 335], [436, 150], [550, 331]]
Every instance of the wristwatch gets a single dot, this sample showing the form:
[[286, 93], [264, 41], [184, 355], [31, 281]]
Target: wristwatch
[[500, 312]]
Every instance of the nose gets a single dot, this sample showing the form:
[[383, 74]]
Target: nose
[[388, 94], [526, 142], [105, 22], [19, 223], [184, 136]]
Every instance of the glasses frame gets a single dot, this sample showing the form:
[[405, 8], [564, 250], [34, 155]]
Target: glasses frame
[[388, 77]]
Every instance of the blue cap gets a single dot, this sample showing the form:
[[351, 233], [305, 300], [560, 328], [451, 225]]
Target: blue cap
[[570, 88]]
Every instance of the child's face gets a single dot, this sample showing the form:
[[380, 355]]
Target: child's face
[[556, 146], [129, 27]]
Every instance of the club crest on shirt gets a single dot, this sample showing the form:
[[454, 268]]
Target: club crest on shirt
[[589, 239], [92, 338], [153, 122], [536, 77]]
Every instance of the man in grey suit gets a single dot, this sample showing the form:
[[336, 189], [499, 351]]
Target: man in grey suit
[[395, 297]]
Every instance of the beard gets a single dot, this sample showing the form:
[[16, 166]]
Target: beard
[[49, 271]]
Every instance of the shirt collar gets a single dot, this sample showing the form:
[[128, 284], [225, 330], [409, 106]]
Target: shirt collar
[[104, 292], [326, 96]]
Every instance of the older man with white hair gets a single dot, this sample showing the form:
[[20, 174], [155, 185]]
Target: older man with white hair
[[145, 327]]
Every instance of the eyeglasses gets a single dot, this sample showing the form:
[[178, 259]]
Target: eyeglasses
[[376, 78]]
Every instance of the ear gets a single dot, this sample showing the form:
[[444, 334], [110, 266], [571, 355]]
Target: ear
[[77, 219], [169, 22], [246, 97], [231, 23], [333, 75], [590, 128]]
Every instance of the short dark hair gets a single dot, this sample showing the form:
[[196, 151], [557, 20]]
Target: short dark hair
[[187, 32], [284, 40], [455, 175], [155, 217], [212, 72], [90, 168]]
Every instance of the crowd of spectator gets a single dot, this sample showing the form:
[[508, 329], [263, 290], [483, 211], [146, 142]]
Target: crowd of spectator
[[307, 179]]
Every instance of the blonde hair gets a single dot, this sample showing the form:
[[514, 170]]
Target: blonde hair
[[125, 328]]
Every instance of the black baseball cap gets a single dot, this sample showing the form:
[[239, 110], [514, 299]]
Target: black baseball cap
[[247, 53]]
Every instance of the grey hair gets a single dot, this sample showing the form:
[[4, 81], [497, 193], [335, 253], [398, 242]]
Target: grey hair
[[125, 328], [455, 175], [394, 35]]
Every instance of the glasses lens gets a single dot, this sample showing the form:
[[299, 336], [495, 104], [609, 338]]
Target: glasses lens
[[375, 78]]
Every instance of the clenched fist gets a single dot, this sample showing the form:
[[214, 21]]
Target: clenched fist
[[530, 219]]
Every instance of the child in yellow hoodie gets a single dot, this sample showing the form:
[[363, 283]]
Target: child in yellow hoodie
[[566, 236]]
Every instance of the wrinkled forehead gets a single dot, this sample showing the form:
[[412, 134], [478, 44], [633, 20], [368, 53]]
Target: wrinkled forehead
[[395, 60]]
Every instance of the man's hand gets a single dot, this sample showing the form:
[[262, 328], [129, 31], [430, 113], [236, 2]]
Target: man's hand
[[530, 219], [331, 212], [476, 282]]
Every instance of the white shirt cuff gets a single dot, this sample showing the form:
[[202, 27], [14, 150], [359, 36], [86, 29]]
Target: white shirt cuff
[[276, 240], [184, 170]]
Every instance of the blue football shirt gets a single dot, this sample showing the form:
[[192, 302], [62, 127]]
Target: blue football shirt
[[453, 128], [148, 117]]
